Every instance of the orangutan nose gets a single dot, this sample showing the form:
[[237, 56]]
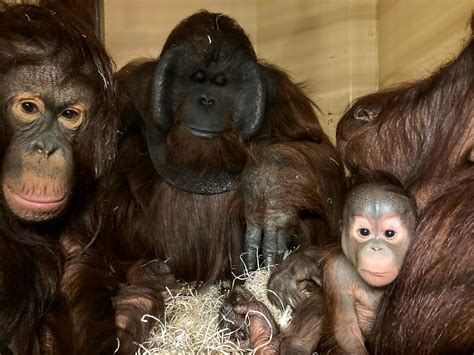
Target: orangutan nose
[[43, 147]]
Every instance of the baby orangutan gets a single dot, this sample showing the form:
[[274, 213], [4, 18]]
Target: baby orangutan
[[378, 222]]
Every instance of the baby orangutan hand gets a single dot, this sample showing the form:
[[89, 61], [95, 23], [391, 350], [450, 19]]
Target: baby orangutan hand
[[294, 279], [249, 320]]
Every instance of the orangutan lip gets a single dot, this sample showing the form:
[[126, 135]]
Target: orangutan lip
[[40, 203], [202, 133], [377, 274]]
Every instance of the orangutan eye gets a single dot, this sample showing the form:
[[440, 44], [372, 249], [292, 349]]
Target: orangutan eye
[[389, 233], [198, 77], [72, 117], [364, 232], [220, 80], [29, 107], [70, 114]]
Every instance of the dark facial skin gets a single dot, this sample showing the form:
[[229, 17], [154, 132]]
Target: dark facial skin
[[206, 100], [44, 112], [206, 109]]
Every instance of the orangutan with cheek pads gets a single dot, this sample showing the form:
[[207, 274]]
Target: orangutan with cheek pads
[[378, 222]]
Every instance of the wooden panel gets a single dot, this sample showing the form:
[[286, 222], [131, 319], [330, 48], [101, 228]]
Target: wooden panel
[[139, 28], [329, 44], [415, 37]]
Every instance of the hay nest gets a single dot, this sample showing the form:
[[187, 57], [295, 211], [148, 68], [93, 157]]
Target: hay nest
[[190, 322]]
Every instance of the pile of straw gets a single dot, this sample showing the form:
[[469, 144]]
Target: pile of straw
[[191, 319]]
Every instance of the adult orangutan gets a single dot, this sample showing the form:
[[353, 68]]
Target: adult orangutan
[[429, 130], [220, 154], [423, 134], [57, 129]]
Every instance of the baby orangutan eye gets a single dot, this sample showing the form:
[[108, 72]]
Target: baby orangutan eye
[[364, 232], [389, 233]]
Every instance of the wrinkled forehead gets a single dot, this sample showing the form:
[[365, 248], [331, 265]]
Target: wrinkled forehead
[[49, 81], [214, 49], [377, 202]]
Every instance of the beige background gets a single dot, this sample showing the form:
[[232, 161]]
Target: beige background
[[415, 37]]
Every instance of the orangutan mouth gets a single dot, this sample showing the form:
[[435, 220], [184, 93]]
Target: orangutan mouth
[[37, 202]]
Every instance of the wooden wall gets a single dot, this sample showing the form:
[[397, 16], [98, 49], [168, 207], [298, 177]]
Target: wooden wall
[[331, 45], [417, 36]]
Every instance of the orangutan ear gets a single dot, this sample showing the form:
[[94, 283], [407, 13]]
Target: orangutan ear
[[366, 113]]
